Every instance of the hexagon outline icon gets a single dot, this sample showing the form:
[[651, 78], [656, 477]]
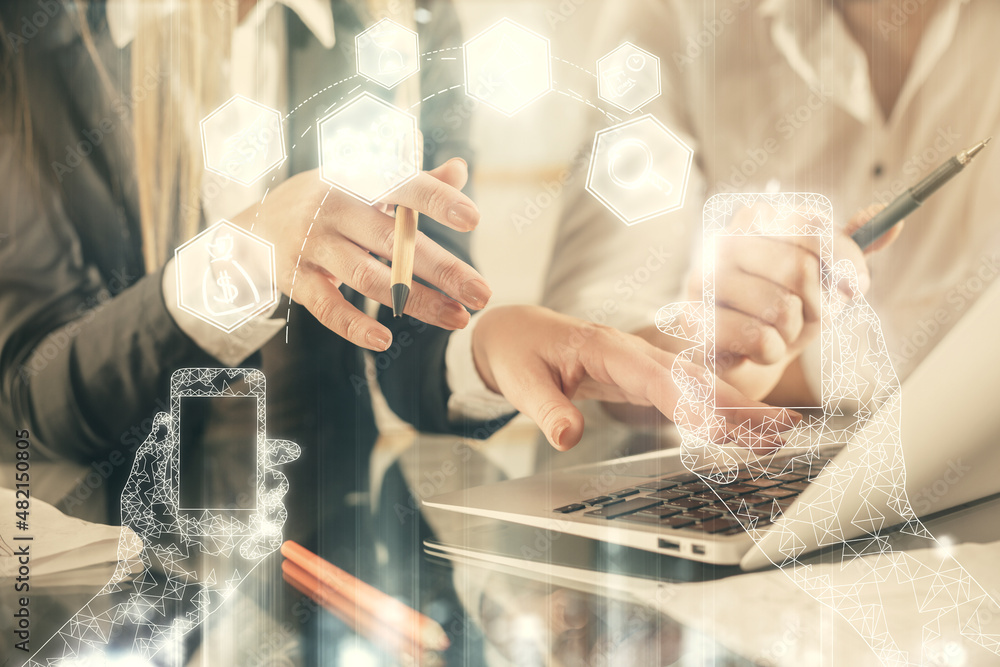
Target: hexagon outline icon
[[548, 66], [608, 203], [416, 148], [265, 304], [204, 139], [600, 81], [402, 76]]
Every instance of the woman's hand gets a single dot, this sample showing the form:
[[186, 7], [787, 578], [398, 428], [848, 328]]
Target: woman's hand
[[767, 299], [324, 238], [540, 360]]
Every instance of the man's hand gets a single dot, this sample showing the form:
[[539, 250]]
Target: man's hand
[[541, 360], [324, 238], [767, 297]]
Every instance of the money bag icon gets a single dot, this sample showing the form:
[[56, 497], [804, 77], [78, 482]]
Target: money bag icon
[[226, 286]]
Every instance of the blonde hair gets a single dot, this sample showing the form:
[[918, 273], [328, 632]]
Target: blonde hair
[[15, 115], [188, 44]]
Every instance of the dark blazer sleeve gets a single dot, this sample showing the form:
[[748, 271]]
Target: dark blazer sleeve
[[412, 374], [79, 367], [86, 343]]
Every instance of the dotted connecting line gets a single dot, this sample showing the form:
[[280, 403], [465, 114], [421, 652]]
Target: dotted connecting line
[[426, 56], [440, 92], [572, 64], [449, 48], [318, 93], [573, 95], [298, 261]]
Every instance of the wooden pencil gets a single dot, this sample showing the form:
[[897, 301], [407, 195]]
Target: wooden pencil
[[416, 628]]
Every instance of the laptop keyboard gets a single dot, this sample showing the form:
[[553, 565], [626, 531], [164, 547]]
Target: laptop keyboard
[[689, 501]]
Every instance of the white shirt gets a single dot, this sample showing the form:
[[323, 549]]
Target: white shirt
[[256, 70], [779, 91]]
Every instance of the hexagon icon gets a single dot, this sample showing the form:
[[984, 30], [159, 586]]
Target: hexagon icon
[[368, 148], [242, 140], [507, 67], [387, 53], [225, 276], [628, 77], [639, 169]]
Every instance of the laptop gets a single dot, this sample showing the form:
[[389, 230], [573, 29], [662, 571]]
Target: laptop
[[950, 434]]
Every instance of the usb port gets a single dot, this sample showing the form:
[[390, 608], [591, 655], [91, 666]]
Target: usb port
[[667, 544], [698, 549]]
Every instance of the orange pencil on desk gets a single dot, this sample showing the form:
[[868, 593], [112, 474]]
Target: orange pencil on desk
[[422, 631], [355, 617]]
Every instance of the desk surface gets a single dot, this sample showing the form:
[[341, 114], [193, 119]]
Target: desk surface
[[505, 615]]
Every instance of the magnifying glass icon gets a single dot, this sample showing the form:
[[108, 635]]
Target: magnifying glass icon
[[630, 166]]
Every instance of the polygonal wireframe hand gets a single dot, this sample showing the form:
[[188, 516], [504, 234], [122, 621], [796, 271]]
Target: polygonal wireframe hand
[[864, 385], [191, 560]]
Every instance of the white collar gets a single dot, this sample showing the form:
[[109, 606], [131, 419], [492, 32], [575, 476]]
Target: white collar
[[783, 7], [816, 44], [317, 15]]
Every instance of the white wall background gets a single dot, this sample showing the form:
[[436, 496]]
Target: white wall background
[[517, 156]]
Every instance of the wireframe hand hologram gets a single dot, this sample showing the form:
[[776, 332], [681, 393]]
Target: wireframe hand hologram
[[860, 415], [191, 559]]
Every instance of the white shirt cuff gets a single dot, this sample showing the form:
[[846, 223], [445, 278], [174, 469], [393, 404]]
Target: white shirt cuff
[[232, 349], [470, 397]]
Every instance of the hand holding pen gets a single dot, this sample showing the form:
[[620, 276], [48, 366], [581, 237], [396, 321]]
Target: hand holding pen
[[325, 238], [911, 200]]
